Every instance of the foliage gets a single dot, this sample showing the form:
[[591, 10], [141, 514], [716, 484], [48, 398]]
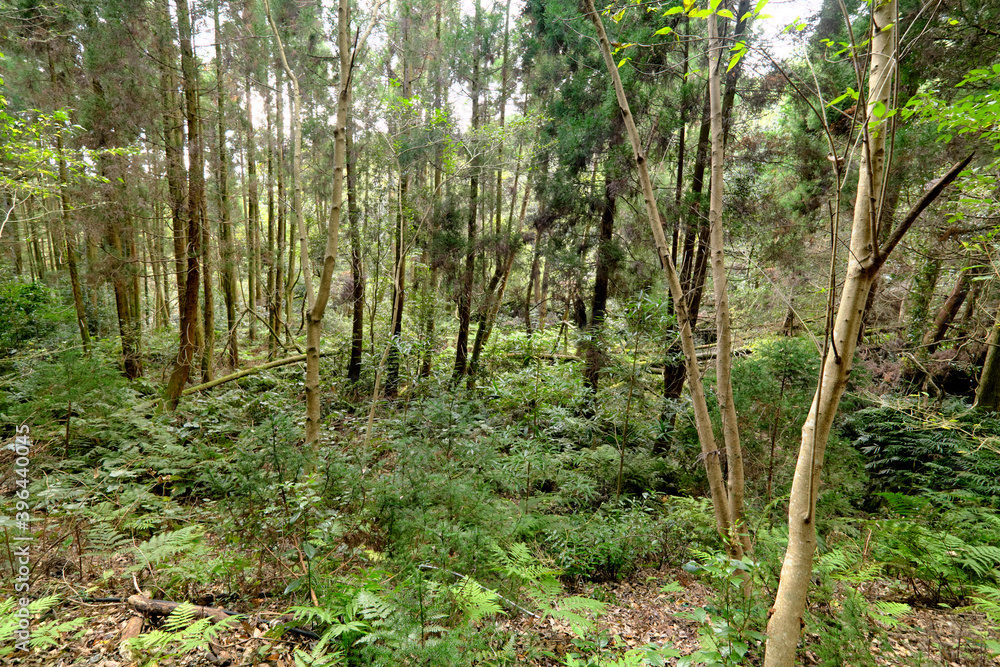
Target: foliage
[[25, 310], [181, 634], [44, 634], [910, 449], [732, 627]]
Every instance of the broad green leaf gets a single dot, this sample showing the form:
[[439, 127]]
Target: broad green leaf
[[725, 13], [666, 30]]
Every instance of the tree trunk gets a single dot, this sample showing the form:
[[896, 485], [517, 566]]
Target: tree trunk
[[710, 453], [357, 263], [863, 262], [988, 392], [465, 298], [946, 315], [66, 233], [253, 217], [196, 190], [593, 354], [228, 272], [723, 328]]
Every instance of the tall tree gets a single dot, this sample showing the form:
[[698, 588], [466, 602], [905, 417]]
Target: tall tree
[[196, 196]]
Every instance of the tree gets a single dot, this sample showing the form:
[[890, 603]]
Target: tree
[[865, 259], [195, 206]]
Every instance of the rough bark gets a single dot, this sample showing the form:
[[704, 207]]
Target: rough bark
[[66, 232], [196, 190], [357, 263], [228, 268], [593, 353], [465, 297], [988, 391]]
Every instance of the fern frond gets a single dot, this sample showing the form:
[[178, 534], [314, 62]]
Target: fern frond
[[475, 600]]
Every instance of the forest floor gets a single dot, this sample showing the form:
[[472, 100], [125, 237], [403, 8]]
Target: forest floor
[[638, 613]]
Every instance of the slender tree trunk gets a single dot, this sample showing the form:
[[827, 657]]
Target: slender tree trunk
[[465, 298], [208, 310], [710, 452], [593, 354], [196, 193], [946, 315], [357, 263], [863, 263], [723, 328], [66, 232], [430, 283], [253, 216], [988, 391], [228, 272], [173, 121]]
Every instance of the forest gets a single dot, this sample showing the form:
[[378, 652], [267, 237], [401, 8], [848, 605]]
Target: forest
[[544, 333]]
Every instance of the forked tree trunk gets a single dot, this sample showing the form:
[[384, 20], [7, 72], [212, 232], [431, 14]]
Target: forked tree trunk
[[863, 263], [709, 450], [316, 300]]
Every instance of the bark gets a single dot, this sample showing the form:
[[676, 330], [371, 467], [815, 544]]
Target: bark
[[988, 391], [357, 263], [228, 272], [710, 453], [253, 215], [173, 120], [946, 315], [465, 298], [124, 282], [66, 233], [196, 189], [863, 263], [605, 265], [313, 325], [723, 328], [208, 311], [534, 281]]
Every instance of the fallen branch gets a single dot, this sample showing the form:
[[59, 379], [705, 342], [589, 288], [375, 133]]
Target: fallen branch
[[245, 372], [149, 607]]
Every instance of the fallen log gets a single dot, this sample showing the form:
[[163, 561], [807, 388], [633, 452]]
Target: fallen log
[[149, 607]]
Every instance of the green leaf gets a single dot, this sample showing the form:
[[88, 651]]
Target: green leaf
[[623, 61], [666, 30], [674, 10], [725, 13], [734, 60], [879, 109]]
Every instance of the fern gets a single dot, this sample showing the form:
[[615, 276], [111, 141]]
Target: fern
[[476, 601], [181, 634], [161, 547], [888, 613], [104, 541], [45, 634]]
